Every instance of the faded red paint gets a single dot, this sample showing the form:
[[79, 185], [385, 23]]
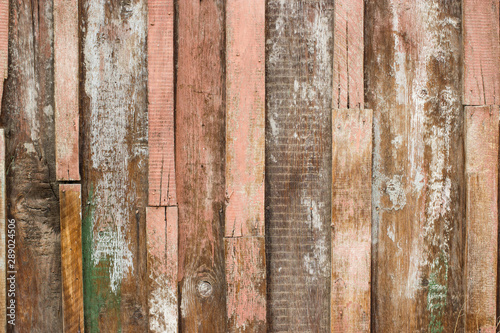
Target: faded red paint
[[481, 75], [66, 80], [4, 42], [162, 189], [348, 84]]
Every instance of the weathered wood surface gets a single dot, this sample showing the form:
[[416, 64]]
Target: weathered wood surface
[[298, 164], [66, 69], [32, 199], [4, 43], [348, 89], [481, 74], [3, 238], [114, 165], [161, 177], [162, 236], [481, 167], [70, 207], [200, 160], [412, 66], [351, 220]]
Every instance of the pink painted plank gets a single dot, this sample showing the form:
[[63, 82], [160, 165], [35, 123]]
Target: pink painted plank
[[162, 189], [246, 284], [245, 118], [351, 220], [348, 84], [66, 67], [162, 234], [4, 42], [481, 167], [481, 72]]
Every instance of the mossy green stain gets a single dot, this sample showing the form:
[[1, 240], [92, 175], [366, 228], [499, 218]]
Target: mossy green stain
[[437, 293], [98, 296]]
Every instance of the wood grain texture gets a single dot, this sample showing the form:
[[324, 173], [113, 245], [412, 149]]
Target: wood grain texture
[[412, 66], [114, 150], [66, 81], [245, 117], [32, 197], [70, 206], [162, 236], [200, 160], [481, 167], [3, 238], [348, 83], [298, 164], [4, 43], [351, 220], [246, 284], [481, 77], [161, 179]]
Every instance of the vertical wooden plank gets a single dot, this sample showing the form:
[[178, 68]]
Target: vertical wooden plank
[[351, 220], [481, 166], [162, 232], [4, 42], [246, 284], [481, 77], [71, 257], [66, 80], [114, 165], [32, 195], [161, 177], [3, 245], [298, 164], [348, 81], [412, 65], [200, 157]]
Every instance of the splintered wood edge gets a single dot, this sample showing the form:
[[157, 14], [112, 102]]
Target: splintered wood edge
[[71, 257], [66, 89], [351, 220]]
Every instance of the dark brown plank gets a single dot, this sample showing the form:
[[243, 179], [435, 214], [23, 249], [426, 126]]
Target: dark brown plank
[[298, 163], [32, 196], [71, 256], [200, 161], [351, 220], [114, 148], [413, 82]]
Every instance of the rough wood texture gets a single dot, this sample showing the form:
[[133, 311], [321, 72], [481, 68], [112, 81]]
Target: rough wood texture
[[66, 69], [348, 89], [4, 43], [71, 257], [298, 164], [351, 220], [161, 177], [200, 164], [246, 284], [481, 77], [481, 167], [114, 151], [3, 241], [32, 199], [162, 233], [245, 117], [412, 66]]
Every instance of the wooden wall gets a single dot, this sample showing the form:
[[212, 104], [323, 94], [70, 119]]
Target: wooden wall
[[250, 166]]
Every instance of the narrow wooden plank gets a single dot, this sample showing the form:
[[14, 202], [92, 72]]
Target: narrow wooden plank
[[246, 284], [348, 83], [200, 161], [3, 238], [161, 177], [351, 220], [4, 42], [71, 256], [481, 166], [298, 164], [481, 77], [66, 80], [413, 82], [245, 117], [32, 194], [162, 233], [114, 165]]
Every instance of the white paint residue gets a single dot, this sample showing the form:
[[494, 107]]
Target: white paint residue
[[30, 147], [390, 233], [395, 191], [316, 261], [163, 308]]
